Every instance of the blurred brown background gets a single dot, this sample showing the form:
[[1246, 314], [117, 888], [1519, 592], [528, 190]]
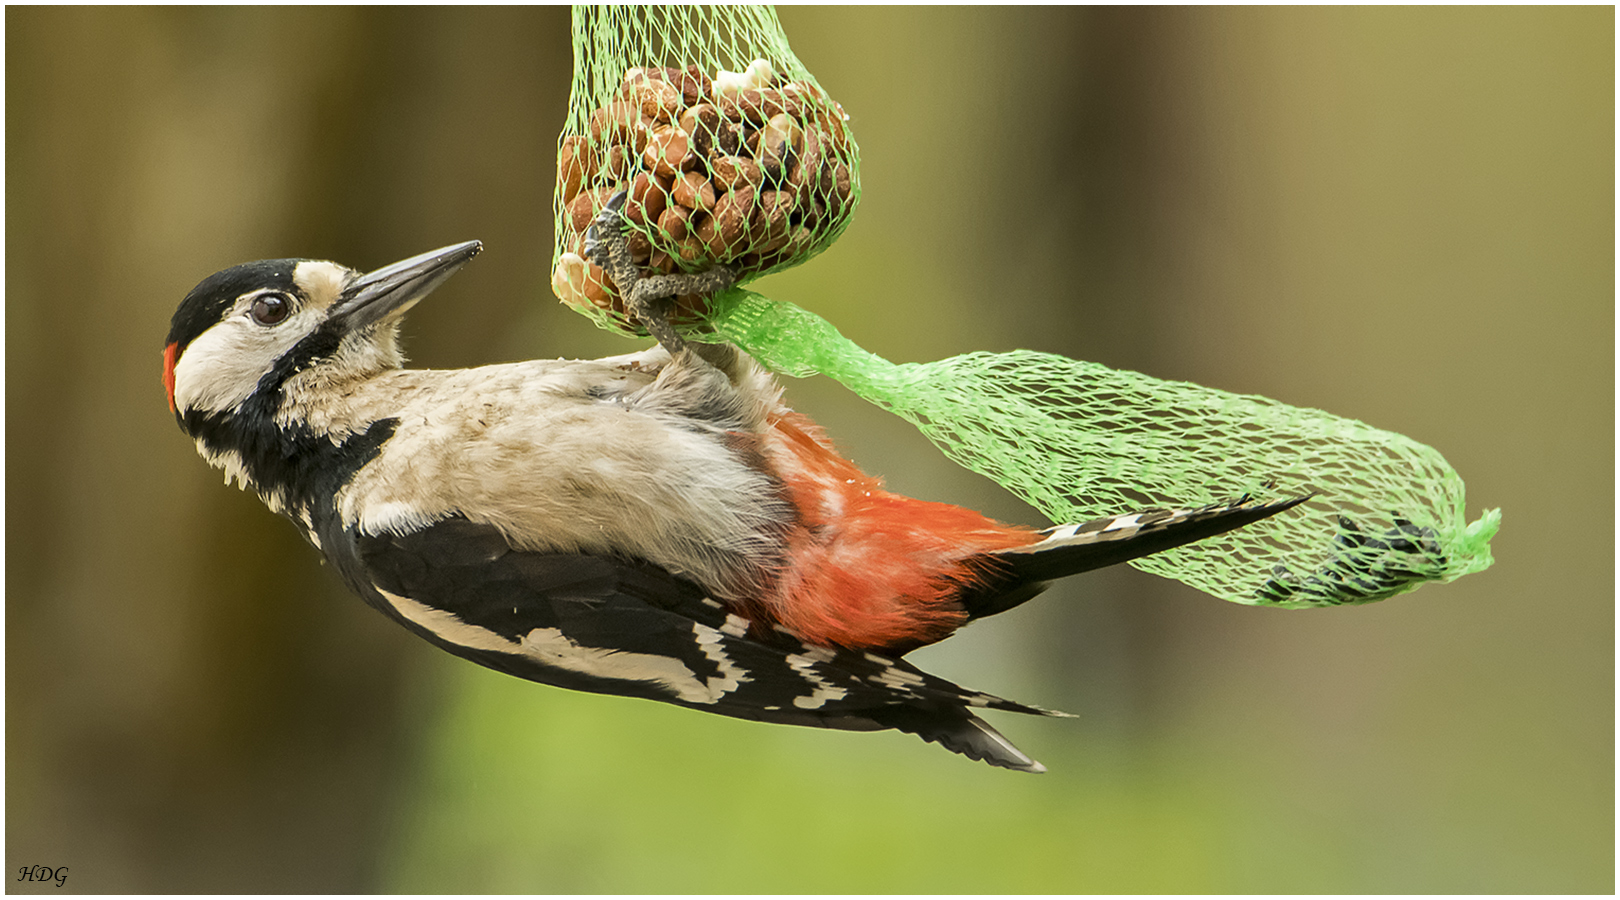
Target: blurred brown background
[[1400, 215]]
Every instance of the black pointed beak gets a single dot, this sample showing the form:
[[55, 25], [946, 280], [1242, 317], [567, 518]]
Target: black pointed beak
[[393, 289]]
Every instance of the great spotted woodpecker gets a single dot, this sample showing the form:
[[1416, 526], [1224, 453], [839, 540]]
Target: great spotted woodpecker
[[655, 525]]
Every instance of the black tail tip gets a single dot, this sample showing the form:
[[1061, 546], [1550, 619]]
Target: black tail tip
[[962, 732]]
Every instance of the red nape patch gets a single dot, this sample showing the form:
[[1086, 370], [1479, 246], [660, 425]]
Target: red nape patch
[[870, 569], [170, 357]]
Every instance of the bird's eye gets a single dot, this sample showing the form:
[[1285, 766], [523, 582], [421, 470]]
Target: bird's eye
[[270, 309]]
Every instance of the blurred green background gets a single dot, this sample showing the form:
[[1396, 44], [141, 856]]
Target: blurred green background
[[1400, 215]]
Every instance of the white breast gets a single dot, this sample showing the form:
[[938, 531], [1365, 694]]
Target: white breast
[[529, 449]]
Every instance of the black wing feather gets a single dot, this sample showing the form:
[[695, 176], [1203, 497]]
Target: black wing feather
[[628, 627]]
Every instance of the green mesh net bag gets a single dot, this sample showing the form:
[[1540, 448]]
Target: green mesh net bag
[[1076, 440]]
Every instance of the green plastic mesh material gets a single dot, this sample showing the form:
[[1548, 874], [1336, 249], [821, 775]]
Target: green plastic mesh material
[[1077, 440], [730, 150]]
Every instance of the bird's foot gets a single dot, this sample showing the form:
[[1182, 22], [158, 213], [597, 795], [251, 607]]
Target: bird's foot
[[648, 298], [606, 243]]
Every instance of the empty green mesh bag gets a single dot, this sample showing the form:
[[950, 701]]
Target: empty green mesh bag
[[729, 149], [1077, 440]]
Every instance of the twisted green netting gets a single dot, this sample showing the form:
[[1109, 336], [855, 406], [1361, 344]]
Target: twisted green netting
[[1077, 440]]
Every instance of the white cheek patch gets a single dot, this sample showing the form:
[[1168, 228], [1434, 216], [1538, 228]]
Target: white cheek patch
[[223, 365]]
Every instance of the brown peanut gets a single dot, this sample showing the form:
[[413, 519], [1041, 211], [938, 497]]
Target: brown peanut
[[694, 192], [731, 172], [674, 221], [733, 215], [667, 151], [649, 195], [576, 164]]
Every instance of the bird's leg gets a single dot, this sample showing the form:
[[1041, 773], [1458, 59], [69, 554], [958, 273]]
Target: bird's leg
[[647, 298]]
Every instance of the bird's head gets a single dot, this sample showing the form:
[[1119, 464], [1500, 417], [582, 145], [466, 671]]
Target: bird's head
[[243, 332]]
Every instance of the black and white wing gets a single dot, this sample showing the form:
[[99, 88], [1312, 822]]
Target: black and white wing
[[627, 627]]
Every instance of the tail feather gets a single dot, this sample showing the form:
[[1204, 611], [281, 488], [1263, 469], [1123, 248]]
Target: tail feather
[[1020, 573], [959, 731]]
